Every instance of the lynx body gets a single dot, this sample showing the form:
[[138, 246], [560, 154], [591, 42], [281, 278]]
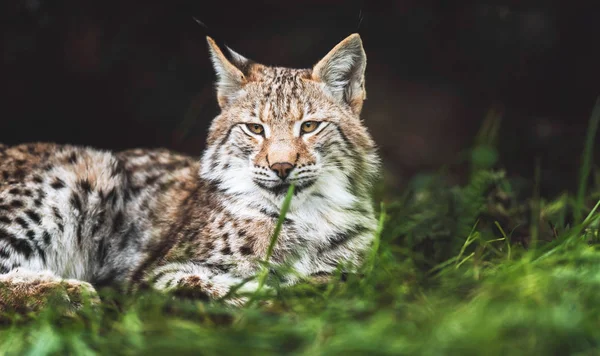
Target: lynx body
[[79, 215]]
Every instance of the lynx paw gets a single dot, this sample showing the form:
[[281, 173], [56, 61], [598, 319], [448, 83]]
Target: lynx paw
[[24, 291], [194, 287]]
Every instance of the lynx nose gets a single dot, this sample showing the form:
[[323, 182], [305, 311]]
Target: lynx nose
[[282, 169]]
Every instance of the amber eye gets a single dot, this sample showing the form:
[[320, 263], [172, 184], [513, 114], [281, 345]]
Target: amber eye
[[256, 128], [309, 126]]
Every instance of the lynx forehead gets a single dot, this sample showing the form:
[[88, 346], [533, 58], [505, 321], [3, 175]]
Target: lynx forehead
[[175, 223]]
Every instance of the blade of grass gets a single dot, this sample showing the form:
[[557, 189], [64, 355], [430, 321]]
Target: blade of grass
[[591, 214], [284, 209], [535, 206], [262, 278], [473, 235], [586, 165], [508, 248], [465, 259], [377, 239], [457, 260]]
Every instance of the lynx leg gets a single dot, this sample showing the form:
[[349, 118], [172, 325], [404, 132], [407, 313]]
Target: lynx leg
[[23, 290], [195, 281]]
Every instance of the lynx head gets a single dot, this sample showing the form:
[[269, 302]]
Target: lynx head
[[279, 126]]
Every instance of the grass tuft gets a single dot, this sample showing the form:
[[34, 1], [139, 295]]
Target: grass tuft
[[587, 159]]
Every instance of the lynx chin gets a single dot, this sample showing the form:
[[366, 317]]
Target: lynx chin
[[79, 218]]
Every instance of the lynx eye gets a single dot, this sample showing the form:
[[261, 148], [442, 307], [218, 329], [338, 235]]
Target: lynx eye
[[256, 128], [309, 126]]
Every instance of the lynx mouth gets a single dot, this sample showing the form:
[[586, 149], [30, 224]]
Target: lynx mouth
[[281, 188]]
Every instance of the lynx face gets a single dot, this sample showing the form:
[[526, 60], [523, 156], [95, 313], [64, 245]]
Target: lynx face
[[280, 126]]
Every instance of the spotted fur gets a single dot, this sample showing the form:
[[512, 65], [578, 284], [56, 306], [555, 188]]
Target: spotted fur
[[173, 222]]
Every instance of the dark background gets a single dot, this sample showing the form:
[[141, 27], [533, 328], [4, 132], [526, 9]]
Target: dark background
[[120, 74]]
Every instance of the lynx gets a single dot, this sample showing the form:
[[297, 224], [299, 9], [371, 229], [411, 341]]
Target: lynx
[[79, 218]]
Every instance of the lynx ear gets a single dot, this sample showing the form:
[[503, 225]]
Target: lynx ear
[[343, 72], [230, 75]]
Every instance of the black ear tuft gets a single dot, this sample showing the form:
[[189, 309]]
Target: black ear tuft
[[230, 72]]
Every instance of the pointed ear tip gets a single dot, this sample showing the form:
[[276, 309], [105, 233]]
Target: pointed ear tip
[[353, 40], [213, 48], [355, 37]]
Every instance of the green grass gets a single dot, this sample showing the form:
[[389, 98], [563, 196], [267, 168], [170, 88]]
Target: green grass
[[454, 271]]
